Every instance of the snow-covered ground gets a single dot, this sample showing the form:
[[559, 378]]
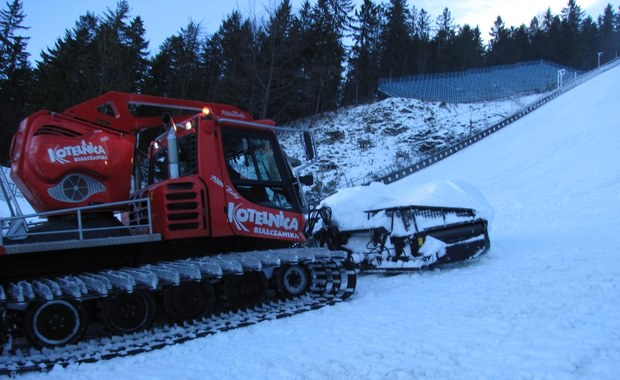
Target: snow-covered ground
[[544, 303]]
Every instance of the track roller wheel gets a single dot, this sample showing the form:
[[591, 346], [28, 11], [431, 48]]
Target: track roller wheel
[[190, 300], [245, 290], [54, 323], [124, 312], [348, 280], [293, 280]]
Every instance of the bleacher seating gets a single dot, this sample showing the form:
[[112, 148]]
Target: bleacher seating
[[483, 84]]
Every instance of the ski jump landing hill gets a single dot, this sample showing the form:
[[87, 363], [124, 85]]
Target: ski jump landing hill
[[438, 156]]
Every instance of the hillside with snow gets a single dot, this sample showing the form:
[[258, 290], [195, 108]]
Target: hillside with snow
[[544, 303], [392, 134]]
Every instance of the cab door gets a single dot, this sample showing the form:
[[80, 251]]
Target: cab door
[[260, 197]]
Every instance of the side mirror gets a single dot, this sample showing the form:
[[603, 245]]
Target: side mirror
[[307, 180], [295, 162], [308, 141], [166, 118]]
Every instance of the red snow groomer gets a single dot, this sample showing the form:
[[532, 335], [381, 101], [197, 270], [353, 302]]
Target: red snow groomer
[[211, 217]]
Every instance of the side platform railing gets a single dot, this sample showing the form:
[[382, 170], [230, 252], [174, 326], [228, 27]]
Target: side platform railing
[[9, 192], [19, 233]]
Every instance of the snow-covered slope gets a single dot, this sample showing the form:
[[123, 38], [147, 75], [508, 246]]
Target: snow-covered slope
[[392, 134], [543, 303]]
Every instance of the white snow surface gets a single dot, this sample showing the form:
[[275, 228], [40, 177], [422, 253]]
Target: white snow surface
[[543, 303]]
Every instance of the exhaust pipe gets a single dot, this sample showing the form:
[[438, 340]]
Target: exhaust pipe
[[173, 153]]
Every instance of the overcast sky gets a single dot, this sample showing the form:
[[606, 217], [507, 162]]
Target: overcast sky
[[48, 19]]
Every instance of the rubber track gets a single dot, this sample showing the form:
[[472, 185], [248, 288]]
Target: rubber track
[[128, 345], [332, 283]]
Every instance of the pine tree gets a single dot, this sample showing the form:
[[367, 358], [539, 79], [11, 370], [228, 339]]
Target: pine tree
[[467, 49], [65, 74], [519, 43], [396, 40], [421, 28], [442, 48], [120, 48], [96, 56], [589, 35], [13, 55], [535, 40], [552, 37], [323, 55], [228, 57], [609, 34], [499, 44], [15, 74], [276, 66], [137, 54], [617, 21], [572, 45], [362, 78], [176, 70]]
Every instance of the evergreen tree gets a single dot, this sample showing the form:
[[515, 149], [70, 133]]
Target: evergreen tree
[[323, 55], [137, 54], [341, 10], [362, 80], [120, 49], [608, 38], [552, 37], [300, 96], [13, 55], [176, 70], [396, 40], [15, 74], [421, 28], [96, 56], [535, 37], [572, 16], [499, 44], [286, 66], [520, 43], [468, 50], [442, 43], [66, 73], [589, 36], [227, 60], [572, 46], [617, 23], [276, 67]]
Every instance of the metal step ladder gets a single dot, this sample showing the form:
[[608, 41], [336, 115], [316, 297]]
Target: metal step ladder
[[14, 226]]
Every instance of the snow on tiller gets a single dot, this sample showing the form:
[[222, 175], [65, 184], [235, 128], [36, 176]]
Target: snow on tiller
[[411, 237]]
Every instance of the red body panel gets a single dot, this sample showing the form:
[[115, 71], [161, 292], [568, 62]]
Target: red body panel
[[59, 162], [248, 219], [228, 212], [85, 156], [113, 110], [180, 208]]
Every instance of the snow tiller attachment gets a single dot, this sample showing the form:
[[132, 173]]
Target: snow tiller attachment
[[404, 238]]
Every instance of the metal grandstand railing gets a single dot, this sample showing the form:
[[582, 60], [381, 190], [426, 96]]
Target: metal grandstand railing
[[490, 83]]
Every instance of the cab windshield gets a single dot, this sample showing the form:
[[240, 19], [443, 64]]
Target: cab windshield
[[256, 169]]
